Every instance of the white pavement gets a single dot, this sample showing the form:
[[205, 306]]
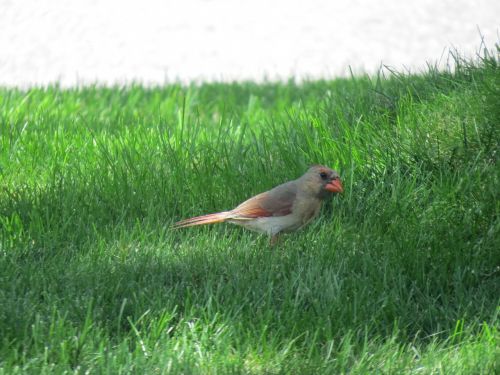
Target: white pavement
[[156, 41]]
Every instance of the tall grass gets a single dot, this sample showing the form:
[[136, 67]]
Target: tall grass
[[401, 273]]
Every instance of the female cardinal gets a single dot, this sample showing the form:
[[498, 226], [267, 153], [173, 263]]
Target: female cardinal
[[285, 208]]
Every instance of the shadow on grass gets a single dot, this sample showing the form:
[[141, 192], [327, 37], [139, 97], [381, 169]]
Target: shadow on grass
[[325, 285]]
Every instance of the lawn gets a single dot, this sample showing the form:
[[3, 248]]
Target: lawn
[[400, 273]]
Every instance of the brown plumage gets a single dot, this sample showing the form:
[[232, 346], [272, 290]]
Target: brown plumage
[[285, 208]]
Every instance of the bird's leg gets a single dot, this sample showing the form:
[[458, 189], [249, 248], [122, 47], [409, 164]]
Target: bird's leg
[[274, 239]]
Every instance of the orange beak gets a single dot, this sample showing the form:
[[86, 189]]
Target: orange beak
[[334, 186]]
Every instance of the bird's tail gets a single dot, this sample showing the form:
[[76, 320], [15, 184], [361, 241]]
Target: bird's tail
[[218, 217]]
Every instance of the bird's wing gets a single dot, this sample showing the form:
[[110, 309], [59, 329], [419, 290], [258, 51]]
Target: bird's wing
[[275, 202]]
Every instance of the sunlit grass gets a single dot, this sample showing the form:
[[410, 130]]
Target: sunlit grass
[[399, 274]]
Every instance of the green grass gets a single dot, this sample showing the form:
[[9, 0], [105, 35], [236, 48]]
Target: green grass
[[400, 274]]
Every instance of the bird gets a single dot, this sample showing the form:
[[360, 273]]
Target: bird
[[285, 208]]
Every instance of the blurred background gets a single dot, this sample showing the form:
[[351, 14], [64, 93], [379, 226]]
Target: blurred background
[[155, 41]]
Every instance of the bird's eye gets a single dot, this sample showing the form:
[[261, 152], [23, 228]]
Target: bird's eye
[[323, 175]]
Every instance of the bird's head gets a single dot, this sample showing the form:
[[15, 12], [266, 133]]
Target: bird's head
[[322, 181]]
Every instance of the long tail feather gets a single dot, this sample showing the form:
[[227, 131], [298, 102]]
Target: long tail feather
[[218, 217]]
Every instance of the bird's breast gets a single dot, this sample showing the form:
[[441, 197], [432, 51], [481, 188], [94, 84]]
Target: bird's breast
[[307, 209]]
